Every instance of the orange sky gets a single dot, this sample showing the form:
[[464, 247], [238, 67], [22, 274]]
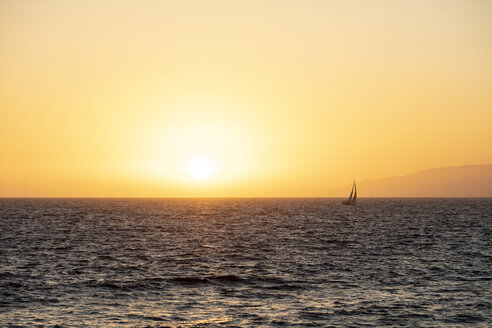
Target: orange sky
[[285, 98]]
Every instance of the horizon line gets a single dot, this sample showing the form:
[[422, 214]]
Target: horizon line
[[243, 197]]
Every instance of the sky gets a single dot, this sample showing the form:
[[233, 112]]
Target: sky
[[238, 98]]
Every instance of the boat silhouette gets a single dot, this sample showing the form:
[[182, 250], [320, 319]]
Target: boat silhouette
[[352, 200]]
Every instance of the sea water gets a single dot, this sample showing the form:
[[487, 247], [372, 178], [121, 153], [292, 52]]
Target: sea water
[[245, 263]]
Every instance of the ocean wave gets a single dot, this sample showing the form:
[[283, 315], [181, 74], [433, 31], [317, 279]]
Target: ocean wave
[[290, 262], [225, 279]]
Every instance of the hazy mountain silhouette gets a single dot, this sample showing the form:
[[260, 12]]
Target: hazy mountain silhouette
[[460, 181]]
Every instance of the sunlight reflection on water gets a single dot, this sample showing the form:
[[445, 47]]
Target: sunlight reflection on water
[[245, 262]]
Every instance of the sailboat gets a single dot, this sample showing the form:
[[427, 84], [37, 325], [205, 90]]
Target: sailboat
[[352, 200]]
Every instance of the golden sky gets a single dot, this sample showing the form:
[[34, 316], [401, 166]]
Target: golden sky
[[278, 98]]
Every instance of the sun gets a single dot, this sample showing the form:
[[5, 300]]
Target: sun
[[201, 168]]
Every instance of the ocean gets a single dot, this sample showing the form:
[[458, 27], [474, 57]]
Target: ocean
[[245, 263]]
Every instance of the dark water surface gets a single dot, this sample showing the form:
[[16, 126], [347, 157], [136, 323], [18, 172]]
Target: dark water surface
[[245, 263]]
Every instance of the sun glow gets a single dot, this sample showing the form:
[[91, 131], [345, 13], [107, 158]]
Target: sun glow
[[201, 168], [199, 146]]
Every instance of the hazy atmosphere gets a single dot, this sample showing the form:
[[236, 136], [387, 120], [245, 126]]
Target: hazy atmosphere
[[253, 98]]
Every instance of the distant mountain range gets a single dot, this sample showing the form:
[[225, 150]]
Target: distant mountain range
[[460, 181]]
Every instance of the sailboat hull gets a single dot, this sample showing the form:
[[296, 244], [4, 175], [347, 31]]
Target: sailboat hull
[[347, 202]]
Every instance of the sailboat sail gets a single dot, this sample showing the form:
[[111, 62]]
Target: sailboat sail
[[353, 196]]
